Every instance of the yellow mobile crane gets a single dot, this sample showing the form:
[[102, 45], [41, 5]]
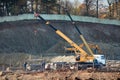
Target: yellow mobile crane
[[100, 58], [82, 56]]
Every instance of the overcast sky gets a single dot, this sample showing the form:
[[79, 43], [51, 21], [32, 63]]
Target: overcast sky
[[78, 0], [104, 1]]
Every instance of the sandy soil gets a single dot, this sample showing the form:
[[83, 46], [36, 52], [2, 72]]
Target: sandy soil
[[60, 75]]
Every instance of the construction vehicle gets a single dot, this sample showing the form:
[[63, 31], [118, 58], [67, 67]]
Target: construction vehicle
[[82, 57], [88, 46]]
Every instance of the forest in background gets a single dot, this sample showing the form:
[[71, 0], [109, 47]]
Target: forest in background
[[92, 8], [21, 39]]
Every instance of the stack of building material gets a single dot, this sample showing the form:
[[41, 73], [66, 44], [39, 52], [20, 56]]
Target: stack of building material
[[63, 59]]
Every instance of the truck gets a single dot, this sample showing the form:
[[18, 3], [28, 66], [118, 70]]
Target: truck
[[83, 59]]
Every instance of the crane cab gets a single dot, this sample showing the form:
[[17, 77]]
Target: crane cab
[[100, 58]]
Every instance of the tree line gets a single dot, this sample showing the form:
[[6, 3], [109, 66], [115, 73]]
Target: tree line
[[93, 8]]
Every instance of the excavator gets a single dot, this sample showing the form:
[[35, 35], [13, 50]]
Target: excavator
[[82, 57]]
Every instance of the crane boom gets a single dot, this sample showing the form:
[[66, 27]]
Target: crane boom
[[82, 55], [82, 52], [81, 36], [71, 43]]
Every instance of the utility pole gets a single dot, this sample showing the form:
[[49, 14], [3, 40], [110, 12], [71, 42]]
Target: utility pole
[[116, 3], [97, 8], [59, 7], [87, 6]]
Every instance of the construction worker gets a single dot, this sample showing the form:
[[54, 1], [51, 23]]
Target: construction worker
[[43, 65], [25, 66]]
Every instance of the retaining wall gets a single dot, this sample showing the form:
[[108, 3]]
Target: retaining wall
[[60, 17]]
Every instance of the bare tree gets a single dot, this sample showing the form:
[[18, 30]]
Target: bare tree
[[110, 2], [117, 2], [88, 5], [92, 7], [66, 4]]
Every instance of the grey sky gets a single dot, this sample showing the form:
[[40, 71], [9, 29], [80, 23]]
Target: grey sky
[[104, 1]]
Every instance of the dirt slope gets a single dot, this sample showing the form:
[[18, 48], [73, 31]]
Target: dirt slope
[[35, 37]]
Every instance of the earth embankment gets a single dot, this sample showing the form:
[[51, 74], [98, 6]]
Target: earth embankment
[[32, 36]]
